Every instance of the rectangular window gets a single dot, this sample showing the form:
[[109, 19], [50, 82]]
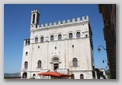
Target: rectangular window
[[26, 53], [33, 18]]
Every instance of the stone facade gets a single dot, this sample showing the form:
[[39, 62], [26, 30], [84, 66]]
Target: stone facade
[[65, 46]]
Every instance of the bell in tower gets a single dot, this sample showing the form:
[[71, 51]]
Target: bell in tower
[[35, 18]]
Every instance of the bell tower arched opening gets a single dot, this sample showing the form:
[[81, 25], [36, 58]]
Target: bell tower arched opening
[[35, 15]]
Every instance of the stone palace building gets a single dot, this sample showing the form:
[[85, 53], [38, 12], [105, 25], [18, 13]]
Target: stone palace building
[[64, 46]]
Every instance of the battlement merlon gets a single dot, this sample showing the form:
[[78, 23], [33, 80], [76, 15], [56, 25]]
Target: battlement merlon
[[35, 11], [62, 23]]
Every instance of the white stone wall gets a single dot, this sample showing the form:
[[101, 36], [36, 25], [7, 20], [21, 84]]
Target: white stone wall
[[65, 52]]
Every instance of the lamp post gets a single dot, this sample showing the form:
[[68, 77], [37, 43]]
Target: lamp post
[[100, 49]]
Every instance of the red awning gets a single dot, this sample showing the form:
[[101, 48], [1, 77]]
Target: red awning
[[54, 74]]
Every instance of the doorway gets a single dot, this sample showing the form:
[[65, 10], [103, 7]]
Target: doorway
[[55, 63], [81, 76], [24, 75], [55, 66]]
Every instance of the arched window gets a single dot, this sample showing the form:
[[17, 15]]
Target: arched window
[[81, 76], [70, 35], [26, 42], [59, 37], [33, 18], [34, 75], [26, 65], [36, 40], [42, 39], [72, 76], [39, 64], [29, 42], [78, 34], [51, 38], [75, 62]]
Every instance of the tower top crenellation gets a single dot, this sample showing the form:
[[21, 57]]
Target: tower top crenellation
[[35, 11], [66, 22]]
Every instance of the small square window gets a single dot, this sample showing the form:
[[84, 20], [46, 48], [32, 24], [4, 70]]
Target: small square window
[[72, 46], [26, 53], [38, 46], [55, 47]]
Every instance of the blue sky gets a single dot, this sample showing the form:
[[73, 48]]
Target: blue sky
[[17, 19]]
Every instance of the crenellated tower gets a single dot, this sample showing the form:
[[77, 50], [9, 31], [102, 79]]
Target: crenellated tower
[[35, 15]]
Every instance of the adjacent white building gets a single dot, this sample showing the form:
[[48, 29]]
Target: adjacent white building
[[63, 46]]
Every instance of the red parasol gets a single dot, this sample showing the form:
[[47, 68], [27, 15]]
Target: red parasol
[[54, 74]]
